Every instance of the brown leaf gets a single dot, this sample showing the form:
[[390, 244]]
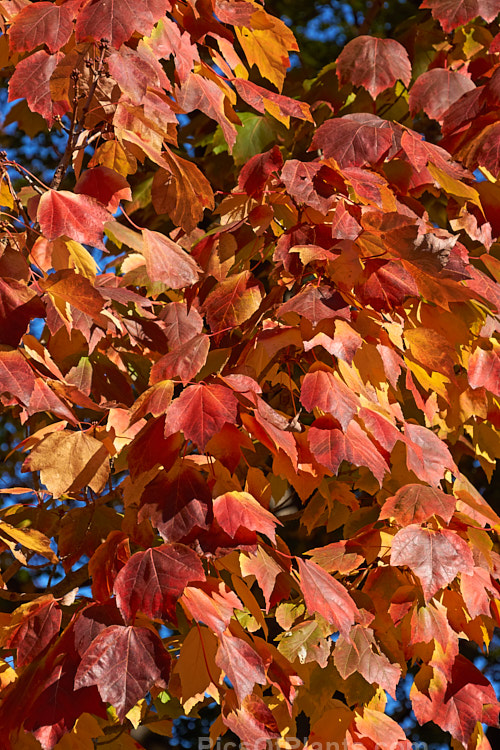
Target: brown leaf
[[68, 461], [182, 191]]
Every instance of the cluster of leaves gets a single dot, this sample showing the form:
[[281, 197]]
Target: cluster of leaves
[[306, 299]]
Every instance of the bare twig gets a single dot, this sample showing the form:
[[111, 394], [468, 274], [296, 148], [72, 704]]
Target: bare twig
[[76, 128], [74, 579], [20, 208]]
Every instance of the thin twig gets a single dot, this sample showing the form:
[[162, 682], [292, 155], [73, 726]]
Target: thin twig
[[68, 151], [20, 208], [73, 580], [76, 128]]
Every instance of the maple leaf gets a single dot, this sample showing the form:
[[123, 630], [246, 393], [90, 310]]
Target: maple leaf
[[135, 70], [44, 399], [82, 531], [106, 562], [432, 350], [358, 654], [204, 94], [483, 370], [195, 666], [381, 729], [279, 672], [483, 150], [253, 721], [326, 596], [201, 411], [451, 14], [369, 187], [272, 429], [306, 643], [18, 305], [316, 303], [264, 568], [475, 587], [239, 509], [330, 447], [113, 155], [334, 723], [356, 140], [324, 391], [105, 185], [179, 504], [155, 401], [67, 287], [16, 376], [182, 191], [91, 621], [211, 604], [426, 455], [416, 503], [33, 628], [232, 302], [334, 558], [280, 107], [430, 623], [42, 23], [115, 22], [436, 557], [80, 217], [32, 539], [383, 429], [124, 663], [299, 177], [387, 284], [184, 362], [248, 345], [58, 703], [436, 90], [70, 460], [167, 262], [181, 323], [241, 663], [255, 173], [31, 81], [152, 581], [167, 40], [266, 44], [150, 447], [344, 344], [458, 704], [375, 64]]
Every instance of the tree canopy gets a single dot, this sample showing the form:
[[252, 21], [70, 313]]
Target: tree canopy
[[249, 341]]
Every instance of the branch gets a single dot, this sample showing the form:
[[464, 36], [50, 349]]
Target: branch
[[76, 128], [74, 579], [20, 208], [68, 151]]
